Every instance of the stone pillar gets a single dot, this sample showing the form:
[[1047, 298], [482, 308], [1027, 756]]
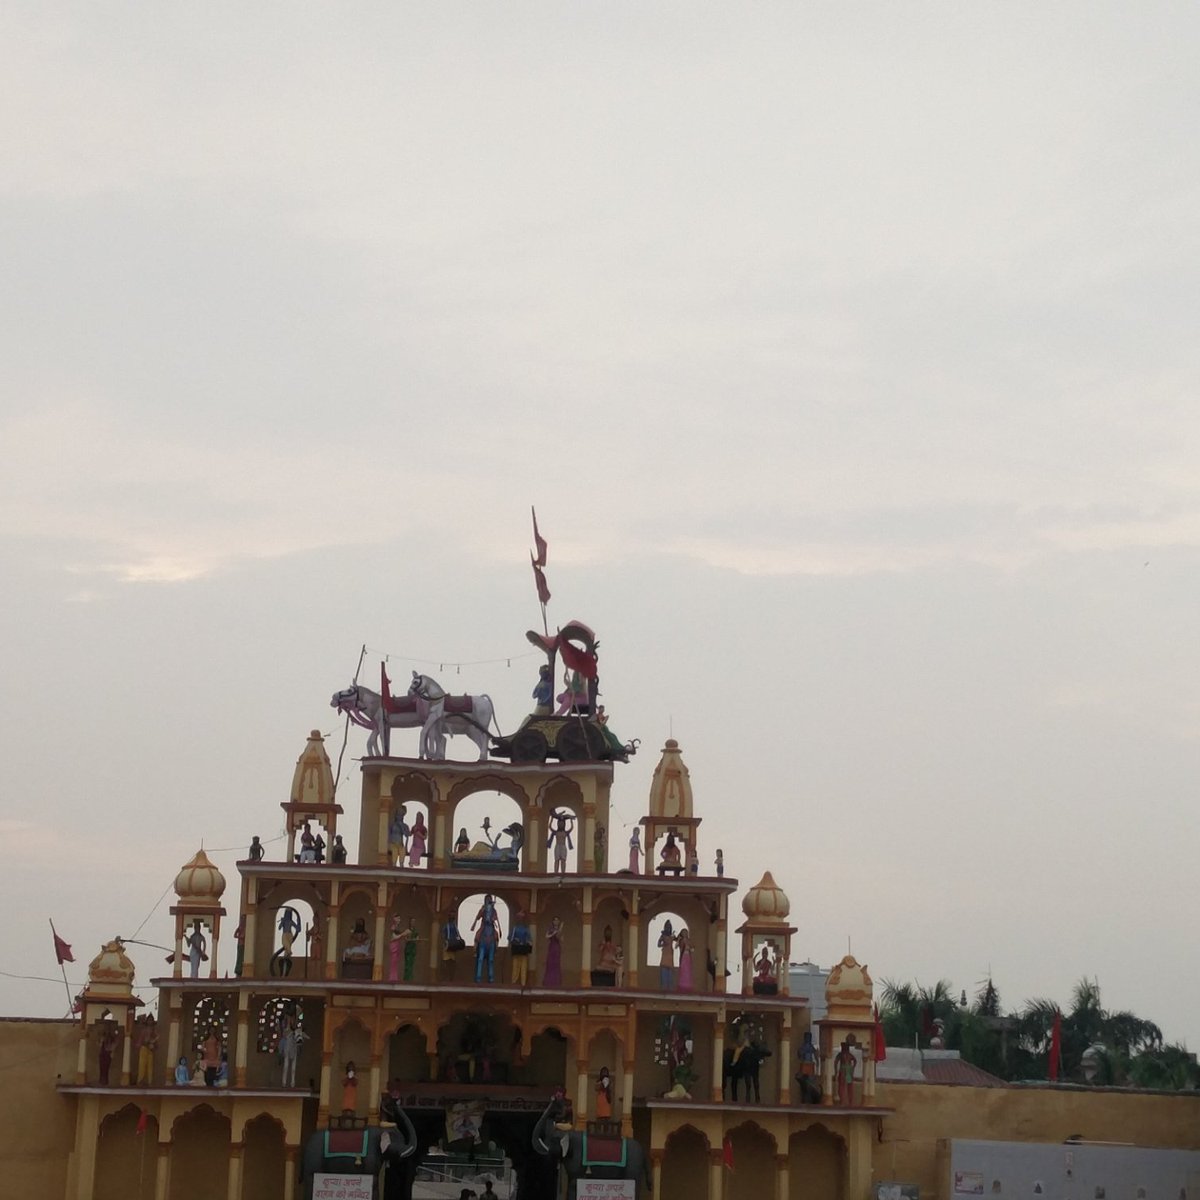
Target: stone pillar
[[781, 1177], [81, 1057], [126, 1056], [585, 967], [249, 942], [634, 960], [858, 1159], [178, 959], [381, 907], [235, 1170], [162, 1174], [439, 859], [384, 856], [716, 1172], [587, 851], [289, 1172], [627, 1070], [582, 1109], [326, 1075], [373, 1106], [785, 1062], [241, 1057], [172, 1047], [331, 943], [718, 1087], [87, 1126], [722, 937], [656, 1162]]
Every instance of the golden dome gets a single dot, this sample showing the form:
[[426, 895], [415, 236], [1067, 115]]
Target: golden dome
[[111, 972], [766, 901], [671, 787], [849, 990], [199, 882], [312, 783]]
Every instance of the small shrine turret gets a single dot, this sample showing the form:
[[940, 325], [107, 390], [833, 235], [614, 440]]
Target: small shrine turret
[[766, 939], [671, 817], [313, 800], [109, 1006], [199, 887], [848, 1036]]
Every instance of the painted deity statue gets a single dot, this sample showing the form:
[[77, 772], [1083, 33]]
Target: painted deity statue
[[487, 936], [289, 930], [720, 865], [462, 843], [604, 1091], [666, 960], [635, 850], [607, 957], [287, 1050], [350, 1089], [520, 947], [256, 851], [418, 839], [562, 823], [398, 836], [109, 1038], [844, 1064], [452, 940], [197, 948], [552, 972], [683, 944], [339, 854], [146, 1040], [574, 696], [543, 692], [358, 944], [671, 859]]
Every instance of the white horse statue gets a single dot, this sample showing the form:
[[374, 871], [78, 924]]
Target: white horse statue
[[427, 706]]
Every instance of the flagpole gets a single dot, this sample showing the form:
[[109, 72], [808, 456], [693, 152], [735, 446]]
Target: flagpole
[[62, 967]]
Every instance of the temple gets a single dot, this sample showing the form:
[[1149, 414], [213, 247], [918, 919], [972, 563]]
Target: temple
[[472, 971]]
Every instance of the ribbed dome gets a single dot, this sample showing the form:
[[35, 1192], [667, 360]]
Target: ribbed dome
[[849, 989], [671, 787], [111, 971], [199, 882], [312, 781], [766, 901]]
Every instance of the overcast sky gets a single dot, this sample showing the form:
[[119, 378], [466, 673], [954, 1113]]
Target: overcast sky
[[848, 352]]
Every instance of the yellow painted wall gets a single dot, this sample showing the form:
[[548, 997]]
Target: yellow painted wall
[[925, 1113], [38, 1123]]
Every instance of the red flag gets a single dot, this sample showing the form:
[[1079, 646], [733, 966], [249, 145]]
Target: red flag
[[539, 580], [62, 950], [879, 1043], [539, 542], [143, 1121], [1055, 1046], [727, 1152]]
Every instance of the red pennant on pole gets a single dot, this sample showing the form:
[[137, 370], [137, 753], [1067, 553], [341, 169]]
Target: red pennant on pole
[[879, 1043], [539, 579], [1055, 1046], [539, 542], [143, 1121], [727, 1152], [62, 950]]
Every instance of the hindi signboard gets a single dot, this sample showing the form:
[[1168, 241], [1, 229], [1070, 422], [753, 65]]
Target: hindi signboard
[[606, 1189], [342, 1187]]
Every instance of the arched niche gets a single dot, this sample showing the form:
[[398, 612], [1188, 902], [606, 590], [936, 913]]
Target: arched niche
[[481, 811], [407, 1057], [816, 1164], [546, 1066], [310, 902], [263, 1067], [605, 1049], [264, 1156], [355, 956], [685, 1164], [564, 906], [563, 795], [126, 1160], [479, 1046], [352, 1047], [410, 909], [471, 923], [413, 793], [208, 1016], [609, 912], [199, 1141], [684, 913], [753, 1174]]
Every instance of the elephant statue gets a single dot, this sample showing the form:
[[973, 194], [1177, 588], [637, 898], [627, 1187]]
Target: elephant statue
[[366, 1151], [745, 1070], [594, 1157]]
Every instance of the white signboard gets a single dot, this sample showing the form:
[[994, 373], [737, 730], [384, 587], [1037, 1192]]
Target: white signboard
[[606, 1189], [342, 1187]]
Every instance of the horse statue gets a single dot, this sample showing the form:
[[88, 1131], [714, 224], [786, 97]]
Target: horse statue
[[436, 716]]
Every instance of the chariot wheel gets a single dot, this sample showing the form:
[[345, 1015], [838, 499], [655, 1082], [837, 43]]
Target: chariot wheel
[[529, 746], [579, 741]]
